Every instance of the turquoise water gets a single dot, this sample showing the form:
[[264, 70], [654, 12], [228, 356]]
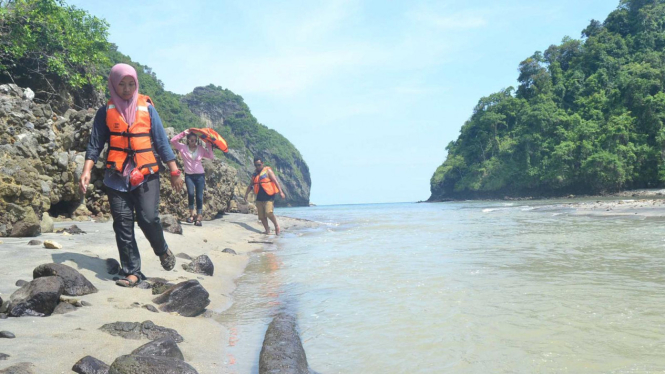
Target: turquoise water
[[473, 287]]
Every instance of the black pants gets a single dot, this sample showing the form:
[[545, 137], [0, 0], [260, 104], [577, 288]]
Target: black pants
[[145, 202], [195, 184]]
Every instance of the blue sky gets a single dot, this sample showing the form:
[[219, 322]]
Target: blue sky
[[370, 92]]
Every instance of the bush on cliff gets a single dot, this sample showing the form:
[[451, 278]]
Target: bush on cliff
[[55, 49]]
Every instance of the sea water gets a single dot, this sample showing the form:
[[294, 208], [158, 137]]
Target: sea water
[[468, 287]]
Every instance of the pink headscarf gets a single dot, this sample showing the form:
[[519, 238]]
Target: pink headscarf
[[127, 108]]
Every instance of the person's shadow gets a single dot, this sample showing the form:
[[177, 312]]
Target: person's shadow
[[97, 265], [248, 227]]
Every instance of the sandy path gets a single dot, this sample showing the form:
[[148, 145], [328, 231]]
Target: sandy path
[[55, 343]]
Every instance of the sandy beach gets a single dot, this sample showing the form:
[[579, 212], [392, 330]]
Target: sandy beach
[[55, 343]]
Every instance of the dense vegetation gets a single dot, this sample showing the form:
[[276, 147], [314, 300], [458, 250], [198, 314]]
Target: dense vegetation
[[587, 117], [60, 50]]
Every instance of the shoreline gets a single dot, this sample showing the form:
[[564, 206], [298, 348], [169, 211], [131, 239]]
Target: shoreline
[[55, 343], [644, 192]]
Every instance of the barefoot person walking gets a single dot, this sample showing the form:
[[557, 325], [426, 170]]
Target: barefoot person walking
[[136, 137], [192, 153], [265, 186]]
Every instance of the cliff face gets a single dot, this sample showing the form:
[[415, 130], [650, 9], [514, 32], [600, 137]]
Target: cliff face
[[228, 114], [42, 153]]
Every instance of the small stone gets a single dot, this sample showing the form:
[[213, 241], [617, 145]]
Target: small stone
[[3, 356], [3, 316], [205, 240], [85, 303], [34, 242], [229, 250], [21, 283], [50, 244], [7, 335], [151, 308]]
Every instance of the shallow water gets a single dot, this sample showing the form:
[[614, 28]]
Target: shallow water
[[473, 287]]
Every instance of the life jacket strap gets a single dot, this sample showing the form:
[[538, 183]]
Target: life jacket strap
[[130, 135]]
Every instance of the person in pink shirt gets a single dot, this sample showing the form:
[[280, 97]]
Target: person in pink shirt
[[192, 153]]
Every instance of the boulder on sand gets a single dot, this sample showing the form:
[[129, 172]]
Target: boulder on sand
[[75, 283], [37, 298], [200, 265], [189, 299], [90, 365]]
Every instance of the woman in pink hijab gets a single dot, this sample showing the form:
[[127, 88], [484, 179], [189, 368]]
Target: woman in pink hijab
[[132, 184]]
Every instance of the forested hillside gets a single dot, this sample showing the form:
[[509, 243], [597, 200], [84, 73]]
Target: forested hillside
[[587, 117]]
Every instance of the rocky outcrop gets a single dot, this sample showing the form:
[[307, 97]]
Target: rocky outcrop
[[228, 114], [189, 299], [75, 283], [42, 153]]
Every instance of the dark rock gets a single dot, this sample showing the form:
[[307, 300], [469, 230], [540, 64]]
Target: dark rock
[[151, 308], [85, 303], [144, 286], [112, 266], [137, 331], [63, 308], [73, 230], [3, 316], [282, 350], [3, 356], [184, 256], [20, 368], [164, 347], [35, 242], [90, 365], [229, 250], [188, 299], [161, 287], [200, 265], [131, 364], [75, 283], [170, 224], [37, 298], [21, 283], [7, 335]]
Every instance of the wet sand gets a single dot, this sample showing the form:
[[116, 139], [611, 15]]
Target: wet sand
[[54, 344], [616, 206]]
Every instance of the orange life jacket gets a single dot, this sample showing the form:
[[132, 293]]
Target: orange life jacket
[[211, 136], [264, 181], [132, 141]]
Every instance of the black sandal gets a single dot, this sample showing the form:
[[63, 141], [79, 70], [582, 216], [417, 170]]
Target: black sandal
[[168, 260], [198, 223], [190, 219], [126, 282]]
